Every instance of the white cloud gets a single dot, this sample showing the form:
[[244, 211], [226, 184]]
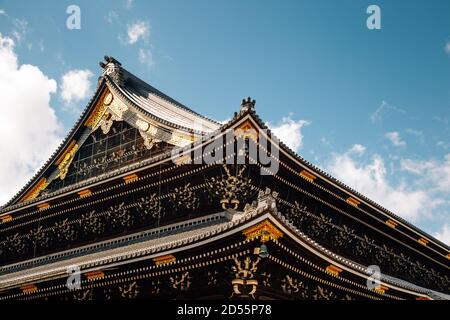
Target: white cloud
[[111, 17], [290, 132], [378, 114], [371, 179], [41, 45], [137, 31], [325, 141], [20, 29], [76, 85], [447, 47], [395, 139], [146, 57], [435, 173], [2, 12], [442, 144], [444, 234], [128, 3], [29, 128], [417, 133], [357, 149]]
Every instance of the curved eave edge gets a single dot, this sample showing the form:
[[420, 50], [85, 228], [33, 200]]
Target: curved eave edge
[[322, 173], [343, 262], [171, 100], [118, 90], [249, 219]]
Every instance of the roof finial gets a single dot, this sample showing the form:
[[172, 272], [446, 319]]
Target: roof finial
[[112, 68], [248, 104]]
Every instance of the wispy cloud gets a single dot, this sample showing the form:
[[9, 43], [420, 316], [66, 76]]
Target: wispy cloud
[[442, 144], [145, 57], [357, 149], [128, 4], [41, 45], [378, 114], [112, 17], [2, 12], [289, 131], [395, 139], [417, 133], [447, 47], [139, 30], [20, 29], [433, 173]]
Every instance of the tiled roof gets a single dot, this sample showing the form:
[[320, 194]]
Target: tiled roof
[[162, 106]]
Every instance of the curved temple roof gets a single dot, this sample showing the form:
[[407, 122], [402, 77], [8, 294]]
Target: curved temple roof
[[143, 97], [156, 104], [162, 106]]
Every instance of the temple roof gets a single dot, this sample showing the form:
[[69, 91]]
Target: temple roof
[[160, 107], [187, 234]]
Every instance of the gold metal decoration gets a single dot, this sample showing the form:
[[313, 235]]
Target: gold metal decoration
[[264, 230], [164, 259], [43, 206], [391, 223], [97, 113], [353, 201], [36, 190], [381, 289], [423, 241], [84, 193], [246, 130], [334, 270], [5, 218], [29, 288], [66, 159], [94, 275], [131, 178], [307, 175], [245, 282]]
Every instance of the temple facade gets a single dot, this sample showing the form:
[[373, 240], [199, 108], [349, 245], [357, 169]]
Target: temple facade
[[147, 199]]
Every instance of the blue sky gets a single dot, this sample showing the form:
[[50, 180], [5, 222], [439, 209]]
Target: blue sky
[[372, 107]]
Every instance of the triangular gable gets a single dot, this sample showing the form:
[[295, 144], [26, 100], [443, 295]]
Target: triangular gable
[[108, 107]]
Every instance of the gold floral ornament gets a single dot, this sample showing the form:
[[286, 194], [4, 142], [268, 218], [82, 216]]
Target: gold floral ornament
[[36, 190], [97, 113], [66, 159], [264, 230]]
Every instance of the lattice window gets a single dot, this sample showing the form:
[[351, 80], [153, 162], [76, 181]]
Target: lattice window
[[101, 153]]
